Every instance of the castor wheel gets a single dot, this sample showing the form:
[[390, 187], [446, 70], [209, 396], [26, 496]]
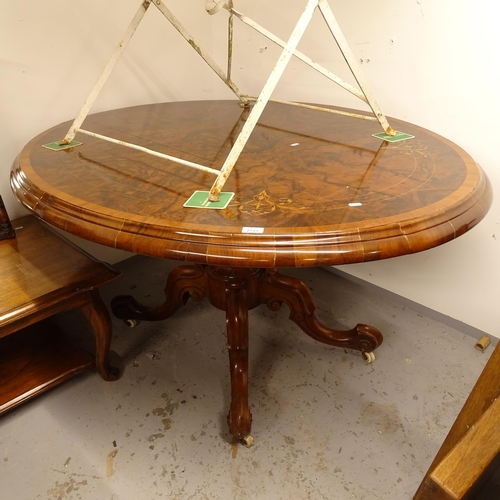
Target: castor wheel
[[132, 323], [247, 441], [369, 357]]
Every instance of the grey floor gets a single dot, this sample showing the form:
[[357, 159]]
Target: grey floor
[[326, 425]]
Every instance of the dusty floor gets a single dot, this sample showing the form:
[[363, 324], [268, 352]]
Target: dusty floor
[[326, 425]]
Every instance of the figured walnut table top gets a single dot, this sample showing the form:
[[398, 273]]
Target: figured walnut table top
[[323, 189]]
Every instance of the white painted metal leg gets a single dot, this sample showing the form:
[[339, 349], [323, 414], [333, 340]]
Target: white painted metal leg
[[263, 99], [332, 23], [289, 49], [196, 46], [107, 71], [313, 64], [186, 163]]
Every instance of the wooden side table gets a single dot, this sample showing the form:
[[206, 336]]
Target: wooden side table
[[41, 275]]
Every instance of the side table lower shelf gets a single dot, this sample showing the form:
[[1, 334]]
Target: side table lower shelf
[[34, 359]]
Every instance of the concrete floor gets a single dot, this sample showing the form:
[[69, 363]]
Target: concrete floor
[[326, 425]]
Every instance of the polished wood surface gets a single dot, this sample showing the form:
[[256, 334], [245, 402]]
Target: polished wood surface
[[36, 359], [322, 188], [42, 274], [39, 271], [319, 187]]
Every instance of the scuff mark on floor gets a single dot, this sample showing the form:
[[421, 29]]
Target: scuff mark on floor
[[61, 490]]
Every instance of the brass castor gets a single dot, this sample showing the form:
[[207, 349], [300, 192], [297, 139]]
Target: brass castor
[[247, 441], [369, 357]]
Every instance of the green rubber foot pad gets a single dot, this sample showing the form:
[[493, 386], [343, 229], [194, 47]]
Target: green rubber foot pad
[[55, 146], [400, 136], [199, 199]]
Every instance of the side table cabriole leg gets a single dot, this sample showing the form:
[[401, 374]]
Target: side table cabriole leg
[[97, 314]]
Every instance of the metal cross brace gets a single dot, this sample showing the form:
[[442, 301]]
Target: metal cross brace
[[259, 102]]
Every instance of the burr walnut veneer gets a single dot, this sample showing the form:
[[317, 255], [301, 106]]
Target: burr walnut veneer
[[311, 189]]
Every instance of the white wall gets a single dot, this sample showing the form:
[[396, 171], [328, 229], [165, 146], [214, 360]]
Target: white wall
[[431, 62]]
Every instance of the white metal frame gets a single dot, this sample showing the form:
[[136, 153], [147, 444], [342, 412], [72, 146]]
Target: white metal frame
[[258, 102]]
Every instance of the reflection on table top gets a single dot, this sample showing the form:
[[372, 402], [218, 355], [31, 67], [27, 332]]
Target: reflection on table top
[[321, 189]]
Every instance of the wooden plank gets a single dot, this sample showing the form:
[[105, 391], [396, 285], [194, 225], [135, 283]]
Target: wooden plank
[[466, 462], [481, 398]]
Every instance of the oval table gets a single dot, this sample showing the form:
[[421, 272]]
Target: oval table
[[311, 189]]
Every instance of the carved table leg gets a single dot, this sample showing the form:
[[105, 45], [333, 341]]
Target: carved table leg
[[98, 316], [183, 283], [276, 289], [236, 291], [239, 418]]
